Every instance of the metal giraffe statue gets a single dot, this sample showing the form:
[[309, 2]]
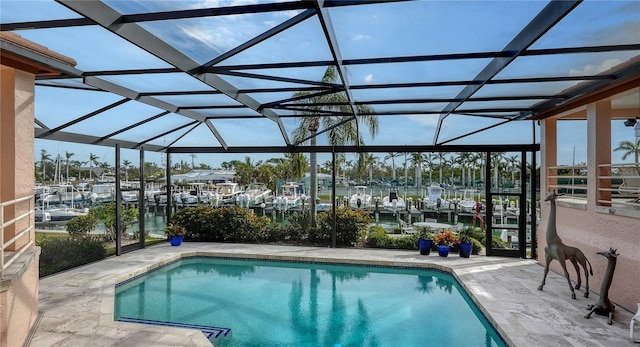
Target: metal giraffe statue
[[556, 249], [604, 307]]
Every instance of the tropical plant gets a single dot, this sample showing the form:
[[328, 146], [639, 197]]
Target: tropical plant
[[68, 156], [445, 238], [629, 148], [334, 112], [93, 160], [464, 236], [174, 230], [81, 226], [426, 233], [44, 158], [106, 213]]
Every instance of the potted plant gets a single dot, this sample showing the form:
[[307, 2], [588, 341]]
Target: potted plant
[[175, 233], [425, 242], [465, 245], [444, 240]]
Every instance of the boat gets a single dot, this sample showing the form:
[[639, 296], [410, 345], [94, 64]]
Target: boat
[[360, 199], [290, 197], [103, 192], [434, 197], [255, 194], [468, 200], [226, 193], [193, 195], [64, 194], [393, 202], [57, 213]]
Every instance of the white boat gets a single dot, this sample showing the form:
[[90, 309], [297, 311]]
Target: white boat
[[468, 200], [64, 194], [255, 194], [360, 199], [103, 192], [226, 193], [393, 202], [290, 197], [434, 197], [193, 195], [57, 213]]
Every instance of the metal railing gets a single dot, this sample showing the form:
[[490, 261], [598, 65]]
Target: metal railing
[[4, 264]]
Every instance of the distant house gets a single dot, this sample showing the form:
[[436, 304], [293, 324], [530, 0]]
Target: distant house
[[205, 176]]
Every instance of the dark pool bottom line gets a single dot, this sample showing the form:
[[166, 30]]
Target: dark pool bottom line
[[208, 331]]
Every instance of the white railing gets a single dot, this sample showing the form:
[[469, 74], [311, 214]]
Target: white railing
[[27, 231], [619, 185], [571, 180]]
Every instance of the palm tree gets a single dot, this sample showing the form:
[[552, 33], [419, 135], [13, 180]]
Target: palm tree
[[416, 160], [513, 161], [442, 160], [126, 164], [320, 113], [630, 148], [392, 156], [93, 159], [44, 158], [68, 156], [428, 159], [496, 160]]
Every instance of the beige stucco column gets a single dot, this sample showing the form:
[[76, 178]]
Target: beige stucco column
[[548, 157], [598, 152]]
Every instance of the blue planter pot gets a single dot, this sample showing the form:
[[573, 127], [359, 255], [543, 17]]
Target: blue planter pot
[[425, 246], [176, 240], [465, 249], [443, 251]]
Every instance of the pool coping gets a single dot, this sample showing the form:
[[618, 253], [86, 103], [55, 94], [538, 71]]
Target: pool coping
[[502, 288]]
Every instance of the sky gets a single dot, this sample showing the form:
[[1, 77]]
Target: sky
[[372, 31]]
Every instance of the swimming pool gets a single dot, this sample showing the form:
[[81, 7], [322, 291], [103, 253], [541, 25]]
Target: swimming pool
[[271, 303]]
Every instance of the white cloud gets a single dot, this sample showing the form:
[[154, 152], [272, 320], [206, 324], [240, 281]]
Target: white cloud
[[428, 120], [590, 69], [368, 78], [360, 37]]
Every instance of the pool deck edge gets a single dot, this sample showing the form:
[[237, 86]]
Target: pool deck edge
[[78, 304]]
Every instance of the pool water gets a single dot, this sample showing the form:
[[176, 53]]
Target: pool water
[[271, 303]]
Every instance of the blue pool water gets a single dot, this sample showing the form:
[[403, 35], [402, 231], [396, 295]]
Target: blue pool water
[[269, 303]]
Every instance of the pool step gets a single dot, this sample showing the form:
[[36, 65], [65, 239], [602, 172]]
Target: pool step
[[208, 331]]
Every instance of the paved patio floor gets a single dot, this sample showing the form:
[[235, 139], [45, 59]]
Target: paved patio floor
[[77, 306]]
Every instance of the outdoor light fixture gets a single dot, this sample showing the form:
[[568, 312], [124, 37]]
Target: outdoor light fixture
[[630, 122]]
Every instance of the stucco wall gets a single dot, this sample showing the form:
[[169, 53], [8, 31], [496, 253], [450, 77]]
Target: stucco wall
[[19, 307], [593, 232], [19, 289]]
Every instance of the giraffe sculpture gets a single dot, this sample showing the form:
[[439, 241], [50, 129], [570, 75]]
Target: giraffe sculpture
[[604, 306], [557, 250]]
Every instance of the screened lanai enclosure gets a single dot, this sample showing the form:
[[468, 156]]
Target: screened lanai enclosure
[[325, 78]]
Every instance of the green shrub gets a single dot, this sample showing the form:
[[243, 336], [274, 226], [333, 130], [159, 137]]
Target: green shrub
[[106, 213], [477, 246], [406, 242], [378, 238], [496, 242], [82, 225], [351, 227], [58, 254], [225, 224]]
